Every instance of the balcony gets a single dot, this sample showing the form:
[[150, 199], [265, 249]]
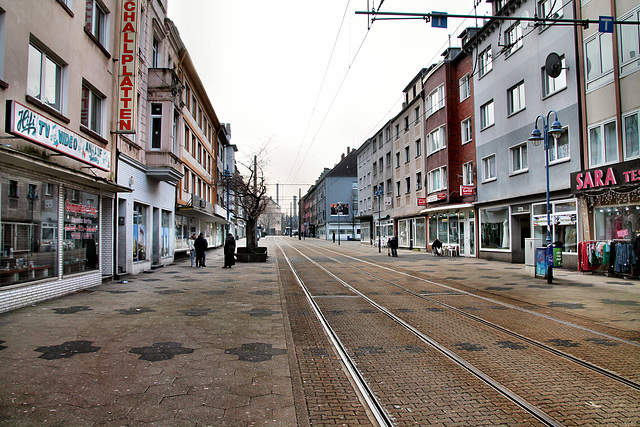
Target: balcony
[[164, 166], [165, 84]]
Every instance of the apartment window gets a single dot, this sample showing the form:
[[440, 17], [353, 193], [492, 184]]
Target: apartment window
[[486, 62], [552, 85], [13, 188], [559, 148], [397, 131], [438, 179], [186, 137], [515, 99], [416, 112], [519, 162], [489, 168], [630, 136], [91, 109], [397, 160], [388, 132], [407, 184], [156, 126], [374, 146], [155, 53], [513, 38], [3, 35], [467, 173], [418, 147], [174, 132], [375, 168], [418, 181], [436, 140], [598, 55], [380, 142], [630, 43], [45, 78], [486, 115], [388, 159], [187, 96], [381, 164], [550, 9], [406, 123], [435, 100], [388, 186], [407, 154], [398, 188], [466, 129], [603, 144], [465, 87], [96, 21]]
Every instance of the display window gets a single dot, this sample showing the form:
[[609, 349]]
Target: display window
[[29, 229], [165, 233], [617, 222], [139, 232], [564, 220], [494, 228], [80, 245]]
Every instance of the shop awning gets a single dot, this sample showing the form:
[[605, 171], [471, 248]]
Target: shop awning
[[192, 212], [10, 157], [447, 208]]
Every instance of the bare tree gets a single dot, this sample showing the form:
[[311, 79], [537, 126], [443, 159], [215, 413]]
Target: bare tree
[[250, 192]]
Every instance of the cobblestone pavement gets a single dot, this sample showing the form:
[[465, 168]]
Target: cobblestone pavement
[[233, 347]]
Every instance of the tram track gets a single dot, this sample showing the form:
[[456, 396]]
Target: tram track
[[415, 327]]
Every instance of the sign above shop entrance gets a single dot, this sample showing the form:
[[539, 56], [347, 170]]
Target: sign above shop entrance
[[610, 176], [28, 124]]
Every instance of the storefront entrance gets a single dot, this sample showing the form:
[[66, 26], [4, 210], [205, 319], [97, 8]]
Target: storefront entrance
[[468, 236]]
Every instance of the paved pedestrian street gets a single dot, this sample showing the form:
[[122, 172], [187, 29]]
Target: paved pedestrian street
[[181, 346]]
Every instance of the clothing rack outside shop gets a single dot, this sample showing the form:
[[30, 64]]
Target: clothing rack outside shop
[[615, 257]]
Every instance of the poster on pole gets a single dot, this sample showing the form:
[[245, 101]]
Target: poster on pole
[[339, 209]]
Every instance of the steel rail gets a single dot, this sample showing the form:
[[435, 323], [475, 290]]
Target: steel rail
[[515, 398]]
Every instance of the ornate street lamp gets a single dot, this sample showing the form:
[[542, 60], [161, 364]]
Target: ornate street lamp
[[536, 138]]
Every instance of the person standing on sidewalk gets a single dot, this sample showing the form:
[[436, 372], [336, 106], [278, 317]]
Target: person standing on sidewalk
[[393, 244], [200, 245], [192, 248], [229, 251]]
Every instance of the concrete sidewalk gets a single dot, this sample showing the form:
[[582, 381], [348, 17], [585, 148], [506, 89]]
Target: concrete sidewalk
[[212, 346]]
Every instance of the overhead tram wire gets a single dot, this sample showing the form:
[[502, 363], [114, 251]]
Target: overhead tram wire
[[326, 71]]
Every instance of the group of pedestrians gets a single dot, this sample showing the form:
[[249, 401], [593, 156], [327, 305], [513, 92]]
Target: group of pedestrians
[[198, 246]]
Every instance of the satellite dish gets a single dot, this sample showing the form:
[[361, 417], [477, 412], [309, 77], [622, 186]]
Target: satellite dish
[[524, 23], [553, 65]]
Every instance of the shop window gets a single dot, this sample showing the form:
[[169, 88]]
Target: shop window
[[617, 222], [29, 233], [564, 216], [139, 232], [494, 228], [165, 232], [420, 234], [45, 78], [80, 245]]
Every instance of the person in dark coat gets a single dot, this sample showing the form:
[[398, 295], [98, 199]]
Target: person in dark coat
[[436, 246], [200, 245], [393, 244], [229, 251]]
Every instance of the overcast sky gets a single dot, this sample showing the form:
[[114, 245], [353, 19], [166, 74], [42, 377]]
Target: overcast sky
[[307, 76]]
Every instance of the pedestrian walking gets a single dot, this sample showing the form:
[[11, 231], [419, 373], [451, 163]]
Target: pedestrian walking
[[200, 246], [229, 251], [393, 244], [334, 237], [436, 247], [192, 249]]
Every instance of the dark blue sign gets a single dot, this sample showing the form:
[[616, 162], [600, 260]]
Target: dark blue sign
[[605, 24], [439, 19]]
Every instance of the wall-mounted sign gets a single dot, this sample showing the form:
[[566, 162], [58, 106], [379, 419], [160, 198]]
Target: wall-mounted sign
[[339, 209], [422, 201], [612, 176], [28, 124], [436, 197], [387, 201], [128, 68], [467, 190]]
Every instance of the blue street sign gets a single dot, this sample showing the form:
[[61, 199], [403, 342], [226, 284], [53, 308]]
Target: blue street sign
[[605, 24], [438, 19]]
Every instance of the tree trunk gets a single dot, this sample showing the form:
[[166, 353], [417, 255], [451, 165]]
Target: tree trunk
[[252, 242]]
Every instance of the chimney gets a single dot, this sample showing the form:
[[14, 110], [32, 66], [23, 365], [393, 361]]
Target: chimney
[[348, 150], [342, 157]]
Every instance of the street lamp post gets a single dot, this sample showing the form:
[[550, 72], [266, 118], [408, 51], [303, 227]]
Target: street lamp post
[[227, 175], [379, 193], [536, 138]]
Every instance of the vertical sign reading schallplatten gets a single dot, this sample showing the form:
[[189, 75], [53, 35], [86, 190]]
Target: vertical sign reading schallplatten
[[128, 68]]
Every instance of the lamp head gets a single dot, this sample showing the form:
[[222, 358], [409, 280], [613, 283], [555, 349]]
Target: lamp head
[[536, 137], [556, 130]]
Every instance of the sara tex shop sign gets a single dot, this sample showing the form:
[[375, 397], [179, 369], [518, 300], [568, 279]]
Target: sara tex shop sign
[[28, 124], [616, 175]]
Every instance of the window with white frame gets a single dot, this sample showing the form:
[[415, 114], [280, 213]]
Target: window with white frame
[[550, 9], [407, 154], [559, 148], [92, 109], [97, 21], [630, 135], [397, 131], [45, 78], [515, 99], [467, 131], [155, 53], [467, 173], [519, 161], [551, 85], [598, 56], [437, 179], [629, 43], [486, 115], [465, 87], [435, 100], [418, 181], [389, 188], [407, 184], [603, 144], [418, 147], [486, 61], [388, 159], [398, 188], [416, 113], [397, 160], [489, 168], [436, 140], [513, 38]]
